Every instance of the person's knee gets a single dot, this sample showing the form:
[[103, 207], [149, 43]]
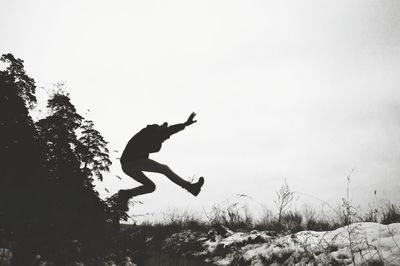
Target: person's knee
[[165, 168], [128, 169], [149, 187]]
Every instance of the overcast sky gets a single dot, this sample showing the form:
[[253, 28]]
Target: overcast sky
[[302, 90]]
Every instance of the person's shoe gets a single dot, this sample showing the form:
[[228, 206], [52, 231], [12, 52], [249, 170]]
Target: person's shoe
[[195, 188], [123, 200]]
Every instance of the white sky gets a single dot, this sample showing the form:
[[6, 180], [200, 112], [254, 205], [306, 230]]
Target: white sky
[[302, 90]]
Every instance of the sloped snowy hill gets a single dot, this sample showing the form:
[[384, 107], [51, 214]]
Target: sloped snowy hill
[[359, 243]]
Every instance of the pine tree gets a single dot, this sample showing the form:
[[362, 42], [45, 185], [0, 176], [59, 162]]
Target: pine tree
[[21, 159], [93, 152], [46, 171], [18, 134], [58, 131], [25, 86], [72, 162], [22, 186]]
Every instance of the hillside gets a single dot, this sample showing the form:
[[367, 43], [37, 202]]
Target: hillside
[[359, 243]]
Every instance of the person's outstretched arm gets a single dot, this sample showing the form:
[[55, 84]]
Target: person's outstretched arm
[[178, 127]]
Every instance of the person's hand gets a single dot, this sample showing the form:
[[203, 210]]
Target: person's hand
[[190, 119]]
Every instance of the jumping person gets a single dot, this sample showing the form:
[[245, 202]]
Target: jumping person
[[135, 160]]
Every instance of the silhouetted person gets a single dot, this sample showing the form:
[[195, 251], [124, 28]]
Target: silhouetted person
[[135, 160]]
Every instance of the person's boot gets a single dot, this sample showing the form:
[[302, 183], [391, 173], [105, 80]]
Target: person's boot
[[122, 200], [195, 188]]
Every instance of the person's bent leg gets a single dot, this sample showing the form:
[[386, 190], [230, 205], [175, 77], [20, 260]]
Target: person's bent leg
[[147, 185], [149, 165]]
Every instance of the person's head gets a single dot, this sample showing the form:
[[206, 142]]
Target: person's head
[[165, 124]]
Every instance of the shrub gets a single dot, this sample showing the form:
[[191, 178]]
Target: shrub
[[232, 216], [292, 221], [391, 214]]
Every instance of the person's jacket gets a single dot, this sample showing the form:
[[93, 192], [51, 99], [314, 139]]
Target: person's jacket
[[148, 140]]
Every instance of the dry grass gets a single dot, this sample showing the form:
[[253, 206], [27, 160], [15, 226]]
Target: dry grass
[[236, 215]]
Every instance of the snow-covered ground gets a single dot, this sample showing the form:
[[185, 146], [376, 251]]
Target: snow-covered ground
[[359, 244]]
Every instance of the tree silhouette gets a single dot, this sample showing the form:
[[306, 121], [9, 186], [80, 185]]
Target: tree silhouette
[[47, 199], [22, 175], [93, 152], [25, 86], [71, 163], [58, 131]]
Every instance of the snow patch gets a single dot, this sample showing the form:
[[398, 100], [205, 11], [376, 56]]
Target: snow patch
[[359, 243]]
